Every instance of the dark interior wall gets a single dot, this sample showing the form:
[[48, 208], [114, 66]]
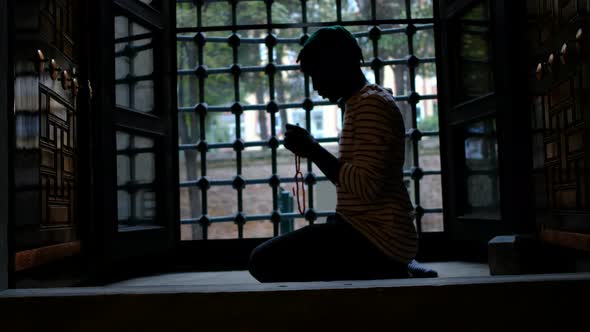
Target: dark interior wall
[[560, 108], [45, 163], [5, 131]]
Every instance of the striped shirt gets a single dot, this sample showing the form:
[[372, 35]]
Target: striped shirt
[[371, 194]]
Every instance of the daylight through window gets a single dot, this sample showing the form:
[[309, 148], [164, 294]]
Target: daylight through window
[[239, 83]]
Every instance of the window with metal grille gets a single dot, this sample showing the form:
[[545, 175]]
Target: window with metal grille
[[239, 83]]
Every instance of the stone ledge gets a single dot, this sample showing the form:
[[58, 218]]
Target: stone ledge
[[522, 302], [392, 284]]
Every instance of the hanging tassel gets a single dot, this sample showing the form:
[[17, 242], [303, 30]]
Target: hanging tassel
[[299, 178]]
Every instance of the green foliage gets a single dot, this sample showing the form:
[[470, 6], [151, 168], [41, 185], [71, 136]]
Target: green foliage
[[219, 88], [429, 123]]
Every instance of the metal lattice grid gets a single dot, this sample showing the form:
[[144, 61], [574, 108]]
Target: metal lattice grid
[[197, 34], [134, 90]]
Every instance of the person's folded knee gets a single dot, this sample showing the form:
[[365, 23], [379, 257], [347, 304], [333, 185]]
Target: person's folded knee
[[259, 265]]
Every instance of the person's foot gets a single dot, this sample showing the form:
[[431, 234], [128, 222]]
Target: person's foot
[[418, 270]]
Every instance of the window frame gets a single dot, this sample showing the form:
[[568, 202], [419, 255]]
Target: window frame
[[112, 251], [430, 242], [6, 142], [471, 235]]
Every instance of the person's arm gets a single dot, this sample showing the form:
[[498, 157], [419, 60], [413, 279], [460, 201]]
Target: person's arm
[[377, 151], [301, 143], [325, 161]]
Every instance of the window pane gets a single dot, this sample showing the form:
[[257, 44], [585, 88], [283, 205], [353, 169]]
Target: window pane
[[144, 168], [366, 47], [256, 163], [221, 201], [422, 9], [299, 223], [426, 83], [123, 205], [134, 65], [481, 164], [290, 87], [325, 196], [219, 91], [252, 54], [251, 12], [222, 230], [253, 88], [409, 156], [393, 43], [187, 87], [429, 154], [142, 96], [409, 183], [191, 232], [286, 11], [257, 229], [136, 176], [222, 127], [424, 43], [190, 202], [353, 10], [258, 160], [216, 13], [142, 64], [390, 9], [433, 222], [221, 164], [257, 199], [123, 170], [427, 112], [321, 11], [145, 205], [430, 192], [397, 78], [186, 14], [474, 49], [216, 53], [286, 165]]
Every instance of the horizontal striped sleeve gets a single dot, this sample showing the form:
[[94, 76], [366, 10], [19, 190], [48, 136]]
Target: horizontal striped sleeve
[[372, 196], [365, 174]]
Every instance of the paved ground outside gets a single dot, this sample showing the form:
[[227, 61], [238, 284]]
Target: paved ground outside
[[257, 199]]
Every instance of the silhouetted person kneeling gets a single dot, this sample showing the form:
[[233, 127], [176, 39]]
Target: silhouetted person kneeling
[[372, 234]]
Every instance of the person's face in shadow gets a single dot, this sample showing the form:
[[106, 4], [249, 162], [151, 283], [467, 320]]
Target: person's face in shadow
[[329, 80]]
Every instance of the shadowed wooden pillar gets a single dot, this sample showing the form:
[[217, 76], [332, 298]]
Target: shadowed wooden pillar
[[560, 107], [5, 160], [45, 117]]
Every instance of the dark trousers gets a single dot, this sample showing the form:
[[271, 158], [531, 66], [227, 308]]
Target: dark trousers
[[322, 252]]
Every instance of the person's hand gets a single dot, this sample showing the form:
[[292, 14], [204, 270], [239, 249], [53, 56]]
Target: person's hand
[[298, 140]]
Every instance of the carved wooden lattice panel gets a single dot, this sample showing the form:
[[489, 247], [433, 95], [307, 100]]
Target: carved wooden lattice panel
[[564, 146], [57, 20], [45, 154], [559, 45], [57, 144]]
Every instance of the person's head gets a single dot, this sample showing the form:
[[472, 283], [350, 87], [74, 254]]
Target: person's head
[[333, 58]]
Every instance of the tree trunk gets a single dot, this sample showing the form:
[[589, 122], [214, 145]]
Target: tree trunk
[[264, 133], [188, 130], [401, 84], [280, 89]]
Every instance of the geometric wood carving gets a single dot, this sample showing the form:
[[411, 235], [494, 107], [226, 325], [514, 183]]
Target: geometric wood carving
[[57, 171], [564, 198], [564, 142], [57, 20]]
